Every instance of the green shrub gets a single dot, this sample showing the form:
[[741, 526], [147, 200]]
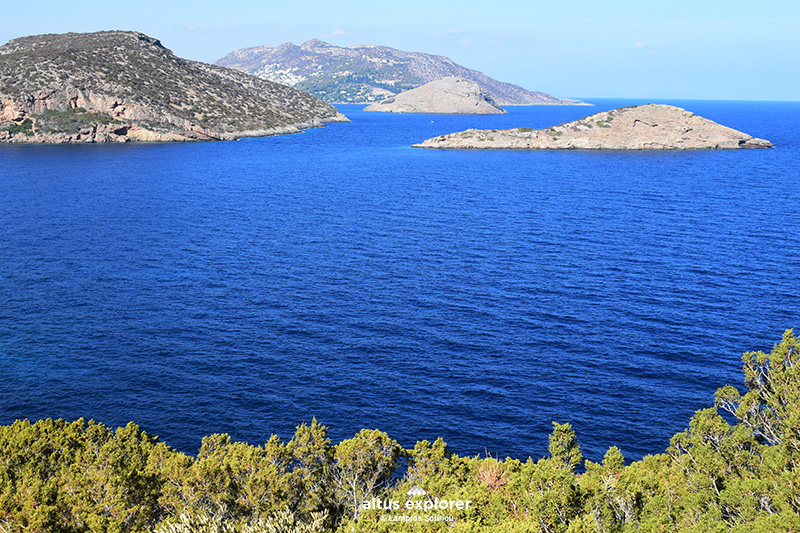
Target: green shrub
[[25, 127], [717, 475], [71, 120]]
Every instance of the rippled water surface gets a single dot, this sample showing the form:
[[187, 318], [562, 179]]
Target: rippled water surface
[[246, 287]]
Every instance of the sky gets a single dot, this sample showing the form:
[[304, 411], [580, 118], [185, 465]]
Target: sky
[[699, 49]]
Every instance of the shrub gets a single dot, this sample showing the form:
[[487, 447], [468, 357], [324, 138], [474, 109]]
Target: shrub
[[25, 127]]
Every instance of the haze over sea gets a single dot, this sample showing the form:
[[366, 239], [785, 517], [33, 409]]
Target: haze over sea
[[246, 287]]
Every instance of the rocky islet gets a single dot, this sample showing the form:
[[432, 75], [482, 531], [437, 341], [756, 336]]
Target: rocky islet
[[645, 127], [450, 95]]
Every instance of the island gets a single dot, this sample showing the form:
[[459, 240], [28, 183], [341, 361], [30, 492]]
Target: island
[[366, 73], [449, 95], [644, 127], [119, 86]]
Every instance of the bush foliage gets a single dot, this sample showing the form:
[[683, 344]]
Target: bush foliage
[[25, 127], [715, 476], [71, 120]]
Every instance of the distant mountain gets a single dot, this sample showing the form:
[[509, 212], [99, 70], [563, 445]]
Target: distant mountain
[[122, 85], [365, 74]]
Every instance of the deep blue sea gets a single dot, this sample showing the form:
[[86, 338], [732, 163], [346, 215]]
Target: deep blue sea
[[245, 287]]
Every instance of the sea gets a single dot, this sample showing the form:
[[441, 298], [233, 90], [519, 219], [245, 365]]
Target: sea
[[247, 287]]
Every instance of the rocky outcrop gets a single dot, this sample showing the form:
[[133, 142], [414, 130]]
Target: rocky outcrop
[[449, 95], [119, 86], [367, 73], [646, 127]]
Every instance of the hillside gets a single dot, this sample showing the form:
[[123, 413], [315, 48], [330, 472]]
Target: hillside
[[122, 85], [645, 127], [365, 73], [446, 96]]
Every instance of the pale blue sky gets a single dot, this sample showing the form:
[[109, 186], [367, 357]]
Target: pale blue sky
[[732, 49]]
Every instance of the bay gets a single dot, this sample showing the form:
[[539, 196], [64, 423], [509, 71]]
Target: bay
[[246, 287]]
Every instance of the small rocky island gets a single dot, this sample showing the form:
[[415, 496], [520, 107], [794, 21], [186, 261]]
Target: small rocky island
[[450, 95], [645, 127], [118, 86]]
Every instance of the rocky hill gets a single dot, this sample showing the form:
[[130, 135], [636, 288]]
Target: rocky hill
[[366, 74], [122, 85], [646, 127], [449, 95]]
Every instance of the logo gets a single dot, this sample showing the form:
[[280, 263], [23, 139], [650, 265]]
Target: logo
[[416, 502], [416, 491]]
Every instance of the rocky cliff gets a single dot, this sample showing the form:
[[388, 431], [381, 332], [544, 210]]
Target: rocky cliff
[[117, 86], [646, 127], [366, 74], [449, 95]]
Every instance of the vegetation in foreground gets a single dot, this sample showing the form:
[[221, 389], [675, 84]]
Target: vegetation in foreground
[[715, 476]]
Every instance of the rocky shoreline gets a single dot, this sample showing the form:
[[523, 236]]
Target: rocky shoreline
[[122, 132]]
